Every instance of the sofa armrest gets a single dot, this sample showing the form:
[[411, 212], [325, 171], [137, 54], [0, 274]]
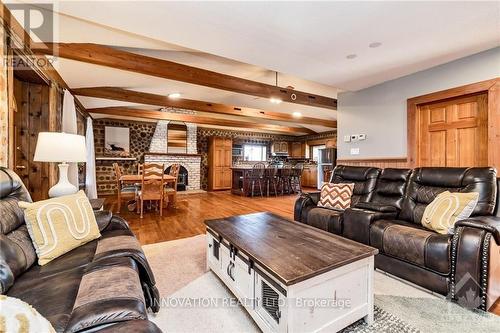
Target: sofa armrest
[[103, 217], [489, 224], [376, 207], [303, 201], [357, 222], [470, 260], [107, 221]]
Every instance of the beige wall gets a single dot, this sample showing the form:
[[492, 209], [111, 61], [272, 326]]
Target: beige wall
[[380, 111]]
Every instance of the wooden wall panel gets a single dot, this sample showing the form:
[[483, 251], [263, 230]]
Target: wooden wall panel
[[4, 106], [381, 163]]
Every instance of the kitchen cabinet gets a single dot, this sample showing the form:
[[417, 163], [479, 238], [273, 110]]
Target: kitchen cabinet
[[280, 147], [219, 163], [298, 150], [310, 176]]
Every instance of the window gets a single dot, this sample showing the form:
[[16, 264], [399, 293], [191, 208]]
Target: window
[[315, 152], [254, 153]]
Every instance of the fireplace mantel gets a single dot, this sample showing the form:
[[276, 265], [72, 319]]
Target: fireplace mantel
[[173, 154]]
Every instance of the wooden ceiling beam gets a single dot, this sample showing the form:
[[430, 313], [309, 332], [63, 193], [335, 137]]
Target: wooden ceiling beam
[[111, 57], [125, 95], [162, 115]]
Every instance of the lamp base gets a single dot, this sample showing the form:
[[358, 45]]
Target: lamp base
[[63, 187]]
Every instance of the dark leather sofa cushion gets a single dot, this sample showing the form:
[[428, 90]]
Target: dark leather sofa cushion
[[426, 183], [416, 245], [11, 191], [363, 178], [325, 219], [17, 254], [391, 186]]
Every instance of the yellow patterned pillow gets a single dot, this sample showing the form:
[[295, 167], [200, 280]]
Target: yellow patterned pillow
[[59, 225], [447, 208]]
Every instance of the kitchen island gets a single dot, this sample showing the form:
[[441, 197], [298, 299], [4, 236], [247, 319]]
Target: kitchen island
[[242, 185], [241, 182]]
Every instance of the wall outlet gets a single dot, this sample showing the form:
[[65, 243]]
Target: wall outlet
[[354, 151], [354, 137], [361, 137], [347, 138]]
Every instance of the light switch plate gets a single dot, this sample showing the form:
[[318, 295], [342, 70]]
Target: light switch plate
[[354, 151], [354, 137], [362, 137], [347, 138]]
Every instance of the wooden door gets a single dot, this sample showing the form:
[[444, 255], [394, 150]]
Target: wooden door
[[454, 133], [31, 117]]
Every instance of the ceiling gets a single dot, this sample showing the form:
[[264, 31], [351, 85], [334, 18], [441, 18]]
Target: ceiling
[[311, 40], [306, 42]]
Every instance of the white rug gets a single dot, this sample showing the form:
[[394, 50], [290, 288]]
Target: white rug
[[195, 300]]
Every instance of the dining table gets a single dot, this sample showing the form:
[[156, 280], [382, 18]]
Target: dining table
[[135, 179]]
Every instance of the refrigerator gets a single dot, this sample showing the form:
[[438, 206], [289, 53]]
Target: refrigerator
[[327, 160]]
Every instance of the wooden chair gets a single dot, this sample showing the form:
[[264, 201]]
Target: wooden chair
[[171, 188], [257, 175], [151, 189], [271, 177], [123, 190]]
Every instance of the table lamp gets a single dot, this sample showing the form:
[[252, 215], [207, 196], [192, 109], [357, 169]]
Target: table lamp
[[64, 148]]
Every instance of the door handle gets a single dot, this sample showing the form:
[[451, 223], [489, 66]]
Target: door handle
[[231, 271], [20, 167]]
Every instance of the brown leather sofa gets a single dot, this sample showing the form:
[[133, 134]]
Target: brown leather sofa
[[105, 285], [451, 265], [307, 211]]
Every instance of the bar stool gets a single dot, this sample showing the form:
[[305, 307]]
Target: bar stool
[[296, 178], [285, 179], [271, 177], [257, 175]]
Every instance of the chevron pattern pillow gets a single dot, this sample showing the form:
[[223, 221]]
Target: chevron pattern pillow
[[336, 196]]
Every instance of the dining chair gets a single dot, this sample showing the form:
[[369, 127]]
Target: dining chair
[[152, 184], [171, 187], [123, 190]]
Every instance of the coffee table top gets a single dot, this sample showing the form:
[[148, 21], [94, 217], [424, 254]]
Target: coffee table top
[[290, 251]]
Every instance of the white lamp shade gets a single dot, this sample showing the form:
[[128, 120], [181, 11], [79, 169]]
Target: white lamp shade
[[60, 147]]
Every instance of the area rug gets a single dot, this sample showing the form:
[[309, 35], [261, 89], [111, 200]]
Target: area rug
[[195, 300]]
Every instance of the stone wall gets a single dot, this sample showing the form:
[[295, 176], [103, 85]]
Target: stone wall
[[140, 139]]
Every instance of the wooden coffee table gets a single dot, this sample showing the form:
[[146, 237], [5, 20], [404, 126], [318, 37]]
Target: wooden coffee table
[[289, 276]]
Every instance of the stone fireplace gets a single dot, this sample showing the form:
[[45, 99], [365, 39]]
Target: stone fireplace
[[190, 161]]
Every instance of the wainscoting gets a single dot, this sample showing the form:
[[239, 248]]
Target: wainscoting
[[392, 162]]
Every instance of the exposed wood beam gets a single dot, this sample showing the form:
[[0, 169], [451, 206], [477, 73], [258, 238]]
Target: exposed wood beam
[[110, 57], [161, 115], [119, 94]]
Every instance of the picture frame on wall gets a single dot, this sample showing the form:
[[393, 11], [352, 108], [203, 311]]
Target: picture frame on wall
[[116, 141]]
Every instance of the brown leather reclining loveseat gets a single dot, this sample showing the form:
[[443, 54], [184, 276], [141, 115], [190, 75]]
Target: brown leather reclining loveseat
[[105, 285], [388, 218]]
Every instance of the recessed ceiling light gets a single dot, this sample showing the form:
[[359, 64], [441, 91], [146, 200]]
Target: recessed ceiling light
[[351, 56], [374, 44], [174, 95], [275, 100], [297, 114]]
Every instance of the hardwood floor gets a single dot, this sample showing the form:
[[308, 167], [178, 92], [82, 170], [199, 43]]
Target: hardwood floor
[[187, 218]]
